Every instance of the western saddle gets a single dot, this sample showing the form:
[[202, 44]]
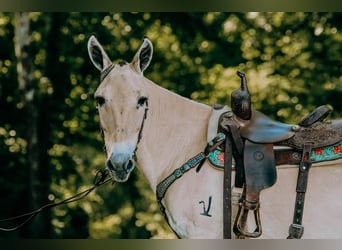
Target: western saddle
[[250, 137]]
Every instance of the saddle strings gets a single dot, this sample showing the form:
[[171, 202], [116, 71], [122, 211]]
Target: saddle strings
[[99, 180]]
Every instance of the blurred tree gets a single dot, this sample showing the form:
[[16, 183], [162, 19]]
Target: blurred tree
[[36, 126]]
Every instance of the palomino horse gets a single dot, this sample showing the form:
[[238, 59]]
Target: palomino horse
[[158, 131]]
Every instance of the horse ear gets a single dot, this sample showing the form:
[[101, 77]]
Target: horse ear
[[97, 54], [143, 56]]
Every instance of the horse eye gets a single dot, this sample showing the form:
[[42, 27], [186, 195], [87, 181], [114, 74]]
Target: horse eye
[[100, 101], [141, 101]]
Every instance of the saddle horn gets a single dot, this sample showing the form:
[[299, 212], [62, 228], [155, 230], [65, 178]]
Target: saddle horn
[[241, 99]]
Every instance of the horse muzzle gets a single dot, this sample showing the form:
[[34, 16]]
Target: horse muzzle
[[120, 166]]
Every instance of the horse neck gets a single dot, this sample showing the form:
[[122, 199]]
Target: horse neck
[[175, 130]]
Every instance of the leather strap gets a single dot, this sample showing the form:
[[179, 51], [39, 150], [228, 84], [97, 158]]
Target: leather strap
[[237, 151], [227, 188], [106, 71], [296, 229], [198, 159], [177, 173], [233, 144]]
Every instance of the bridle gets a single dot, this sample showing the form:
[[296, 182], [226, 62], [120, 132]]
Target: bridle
[[140, 130], [103, 75]]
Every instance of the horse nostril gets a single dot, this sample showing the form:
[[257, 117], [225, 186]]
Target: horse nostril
[[109, 165], [130, 166]]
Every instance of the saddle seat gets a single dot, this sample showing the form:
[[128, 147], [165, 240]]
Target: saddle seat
[[262, 129], [312, 129]]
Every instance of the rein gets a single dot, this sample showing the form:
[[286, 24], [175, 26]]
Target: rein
[[99, 180]]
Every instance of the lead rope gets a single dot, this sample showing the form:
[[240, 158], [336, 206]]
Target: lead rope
[[99, 180]]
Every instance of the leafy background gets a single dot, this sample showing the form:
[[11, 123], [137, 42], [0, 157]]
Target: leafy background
[[50, 145]]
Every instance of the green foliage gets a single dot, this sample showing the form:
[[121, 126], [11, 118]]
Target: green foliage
[[292, 62]]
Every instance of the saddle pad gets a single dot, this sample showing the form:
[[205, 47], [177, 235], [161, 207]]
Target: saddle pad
[[214, 120], [330, 153], [216, 158]]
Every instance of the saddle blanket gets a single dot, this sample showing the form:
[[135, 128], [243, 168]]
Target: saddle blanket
[[329, 153]]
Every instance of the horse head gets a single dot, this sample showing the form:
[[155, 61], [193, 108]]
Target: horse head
[[122, 105]]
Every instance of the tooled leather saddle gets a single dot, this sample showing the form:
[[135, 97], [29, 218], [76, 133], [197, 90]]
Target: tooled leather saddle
[[250, 140]]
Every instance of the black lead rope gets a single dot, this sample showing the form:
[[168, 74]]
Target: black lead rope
[[99, 180]]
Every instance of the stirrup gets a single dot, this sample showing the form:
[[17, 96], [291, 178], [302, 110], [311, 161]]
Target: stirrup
[[241, 218]]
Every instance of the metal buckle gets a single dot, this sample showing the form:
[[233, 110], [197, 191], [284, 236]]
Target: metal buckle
[[295, 231]]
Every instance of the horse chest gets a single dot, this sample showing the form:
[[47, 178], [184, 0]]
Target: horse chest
[[194, 205]]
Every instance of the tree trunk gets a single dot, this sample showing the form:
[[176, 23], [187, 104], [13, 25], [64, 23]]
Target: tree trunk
[[37, 132]]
